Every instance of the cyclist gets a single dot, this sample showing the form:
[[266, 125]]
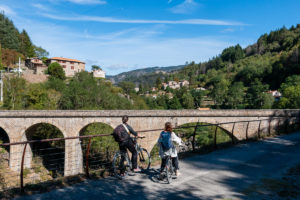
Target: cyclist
[[167, 148], [121, 135]]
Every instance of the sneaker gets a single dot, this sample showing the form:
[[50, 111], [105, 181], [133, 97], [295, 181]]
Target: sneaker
[[177, 173], [136, 170]]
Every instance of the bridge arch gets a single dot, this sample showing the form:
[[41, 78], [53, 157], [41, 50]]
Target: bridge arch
[[49, 156], [101, 148], [5, 150]]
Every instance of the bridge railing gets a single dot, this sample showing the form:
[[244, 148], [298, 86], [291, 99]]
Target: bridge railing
[[45, 160]]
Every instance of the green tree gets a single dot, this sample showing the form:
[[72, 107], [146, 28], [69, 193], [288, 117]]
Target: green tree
[[219, 91], [40, 52], [174, 103], [141, 89], [14, 91], [255, 94], [293, 80], [95, 67], [290, 98], [158, 83], [26, 46], [55, 70], [197, 96], [9, 35], [236, 95], [128, 87], [187, 100], [233, 53], [36, 97]]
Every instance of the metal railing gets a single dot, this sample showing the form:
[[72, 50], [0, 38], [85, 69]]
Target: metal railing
[[48, 156]]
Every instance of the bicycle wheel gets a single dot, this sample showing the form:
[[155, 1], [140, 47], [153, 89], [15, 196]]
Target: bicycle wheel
[[120, 170], [144, 159], [169, 171]]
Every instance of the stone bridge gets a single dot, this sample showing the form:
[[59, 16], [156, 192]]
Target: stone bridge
[[70, 123]]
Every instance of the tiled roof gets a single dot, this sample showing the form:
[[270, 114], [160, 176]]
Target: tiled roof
[[66, 59]]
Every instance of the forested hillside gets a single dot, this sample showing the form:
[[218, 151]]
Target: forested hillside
[[239, 78], [15, 44], [144, 76]]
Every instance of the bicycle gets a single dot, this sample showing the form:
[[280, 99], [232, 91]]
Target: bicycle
[[168, 171], [121, 167]]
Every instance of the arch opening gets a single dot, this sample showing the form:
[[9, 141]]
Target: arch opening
[[5, 172], [102, 149], [204, 138], [4, 139], [48, 158]]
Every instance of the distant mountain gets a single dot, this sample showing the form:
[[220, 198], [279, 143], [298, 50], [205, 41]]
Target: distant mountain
[[145, 75]]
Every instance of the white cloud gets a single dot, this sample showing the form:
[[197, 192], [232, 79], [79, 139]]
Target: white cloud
[[186, 7], [228, 30], [88, 1], [123, 50], [142, 21], [7, 10], [41, 7]]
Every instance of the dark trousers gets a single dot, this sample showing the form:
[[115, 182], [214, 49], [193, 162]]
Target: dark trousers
[[164, 162], [131, 147]]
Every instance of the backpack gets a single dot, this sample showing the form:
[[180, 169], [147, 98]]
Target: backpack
[[119, 134], [166, 140]]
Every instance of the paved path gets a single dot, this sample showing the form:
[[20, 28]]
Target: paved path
[[223, 174]]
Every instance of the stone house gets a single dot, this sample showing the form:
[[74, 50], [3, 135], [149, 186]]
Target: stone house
[[70, 66]]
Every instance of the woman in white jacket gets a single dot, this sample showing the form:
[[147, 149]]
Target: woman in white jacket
[[167, 148]]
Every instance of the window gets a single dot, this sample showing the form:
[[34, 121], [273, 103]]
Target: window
[[64, 66], [72, 67]]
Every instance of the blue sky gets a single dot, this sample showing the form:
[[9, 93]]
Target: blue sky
[[122, 35]]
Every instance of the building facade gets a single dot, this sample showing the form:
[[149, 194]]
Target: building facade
[[70, 66], [99, 73], [36, 64]]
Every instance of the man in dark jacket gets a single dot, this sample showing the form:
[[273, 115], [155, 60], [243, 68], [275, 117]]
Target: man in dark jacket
[[125, 142]]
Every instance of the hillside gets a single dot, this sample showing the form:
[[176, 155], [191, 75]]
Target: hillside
[[242, 78], [145, 75]]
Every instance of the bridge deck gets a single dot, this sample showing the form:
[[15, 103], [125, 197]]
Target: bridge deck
[[223, 174]]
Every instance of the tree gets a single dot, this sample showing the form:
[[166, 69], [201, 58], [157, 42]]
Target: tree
[[14, 91], [290, 98], [40, 52], [158, 83], [95, 67], [255, 94], [187, 101], [26, 46], [236, 95], [197, 96], [219, 91], [55, 70], [141, 89], [36, 97], [9, 35], [128, 87], [174, 103], [290, 81], [233, 53]]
